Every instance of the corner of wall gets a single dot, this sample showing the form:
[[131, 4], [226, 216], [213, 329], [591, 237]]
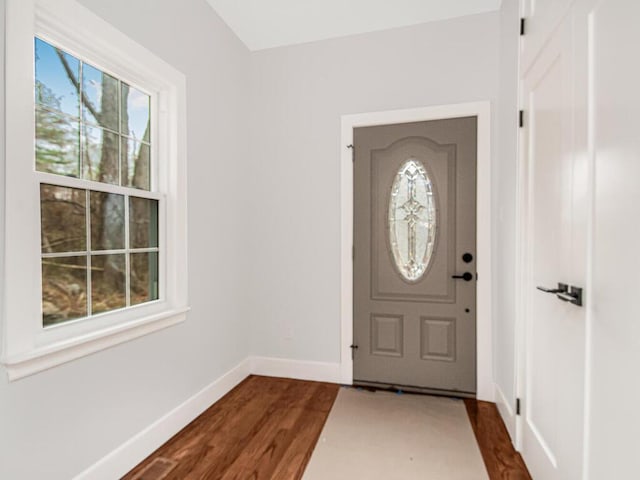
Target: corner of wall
[[130, 453]]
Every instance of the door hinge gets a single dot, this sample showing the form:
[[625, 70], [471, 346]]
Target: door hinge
[[521, 118], [353, 152], [517, 406], [522, 29], [353, 350]]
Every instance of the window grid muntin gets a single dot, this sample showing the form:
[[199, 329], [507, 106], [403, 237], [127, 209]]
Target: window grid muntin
[[89, 253], [153, 112], [81, 181], [40, 106]]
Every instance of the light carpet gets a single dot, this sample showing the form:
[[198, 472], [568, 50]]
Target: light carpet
[[383, 435]]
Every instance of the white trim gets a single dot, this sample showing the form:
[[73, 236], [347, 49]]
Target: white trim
[[124, 458], [485, 384], [520, 250], [298, 369], [69, 24], [506, 412]]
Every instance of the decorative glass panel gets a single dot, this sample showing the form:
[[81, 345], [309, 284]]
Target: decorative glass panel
[[412, 220]]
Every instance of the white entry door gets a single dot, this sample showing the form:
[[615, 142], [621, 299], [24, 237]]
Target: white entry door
[[554, 253]]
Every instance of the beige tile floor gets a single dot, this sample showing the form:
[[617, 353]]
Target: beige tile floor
[[382, 435]]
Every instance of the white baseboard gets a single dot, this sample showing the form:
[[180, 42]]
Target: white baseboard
[[299, 369], [133, 451], [506, 412]]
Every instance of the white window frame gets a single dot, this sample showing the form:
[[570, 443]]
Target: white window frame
[[27, 346]]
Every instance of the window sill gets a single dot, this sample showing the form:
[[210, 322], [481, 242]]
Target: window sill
[[43, 358]]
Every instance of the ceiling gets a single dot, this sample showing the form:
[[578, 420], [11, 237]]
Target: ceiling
[[264, 24]]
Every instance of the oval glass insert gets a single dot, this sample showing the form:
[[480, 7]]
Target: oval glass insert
[[412, 220]]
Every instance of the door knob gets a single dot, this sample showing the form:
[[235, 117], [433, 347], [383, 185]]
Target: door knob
[[466, 276], [562, 288], [573, 296]]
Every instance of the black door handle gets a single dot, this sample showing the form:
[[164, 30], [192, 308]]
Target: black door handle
[[466, 276], [562, 288], [573, 296]]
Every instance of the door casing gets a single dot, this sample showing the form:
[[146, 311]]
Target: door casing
[[484, 338]]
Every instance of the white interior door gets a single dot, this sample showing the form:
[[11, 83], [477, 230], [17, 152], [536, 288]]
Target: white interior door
[[553, 387], [541, 18]]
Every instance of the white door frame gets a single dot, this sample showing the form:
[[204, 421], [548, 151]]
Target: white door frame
[[484, 324]]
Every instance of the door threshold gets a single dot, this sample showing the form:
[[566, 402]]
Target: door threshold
[[393, 387]]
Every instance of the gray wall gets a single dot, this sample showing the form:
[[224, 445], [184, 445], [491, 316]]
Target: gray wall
[[298, 96], [55, 424], [505, 192]]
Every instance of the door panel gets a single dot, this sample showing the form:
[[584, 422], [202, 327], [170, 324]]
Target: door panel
[[554, 363], [415, 332], [387, 284]]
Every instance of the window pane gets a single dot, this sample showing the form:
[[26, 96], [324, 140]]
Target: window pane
[[100, 98], [107, 283], [107, 221], [143, 223], [57, 143], [63, 219], [144, 277], [57, 76], [64, 289], [100, 155], [135, 113], [136, 164]]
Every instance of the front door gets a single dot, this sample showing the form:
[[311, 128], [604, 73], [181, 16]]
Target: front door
[[415, 255]]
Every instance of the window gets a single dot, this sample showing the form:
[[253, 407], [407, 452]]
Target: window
[[95, 227], [93, 127]]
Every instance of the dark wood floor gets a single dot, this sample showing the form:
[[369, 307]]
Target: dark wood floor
[[266, 429], [500, 458]]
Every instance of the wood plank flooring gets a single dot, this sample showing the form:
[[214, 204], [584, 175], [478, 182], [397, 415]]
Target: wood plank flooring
[[266, 429], [500, 458]]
